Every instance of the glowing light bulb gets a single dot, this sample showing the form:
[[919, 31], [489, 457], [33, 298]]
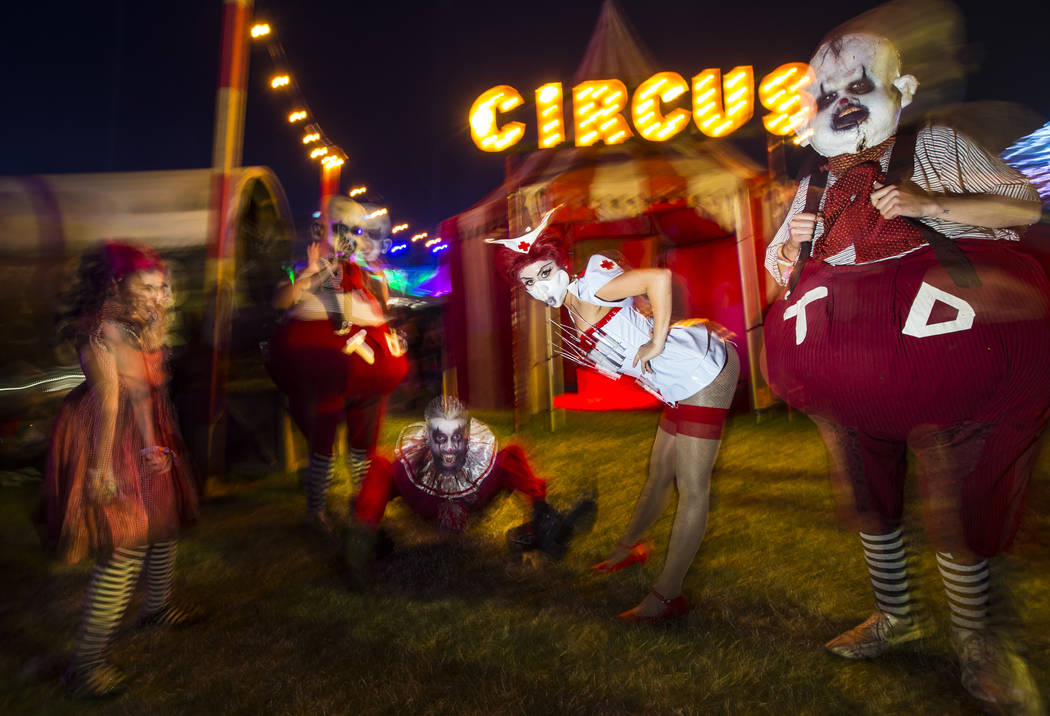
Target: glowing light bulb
[[782, 92], [550, 114], [709, 109], [260, 30], [280, 81], [484, 129], [605, 110], [647, 111]]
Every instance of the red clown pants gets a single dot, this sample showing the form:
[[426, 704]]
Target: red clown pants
[[385, 482], [893, 355], [325, 386]]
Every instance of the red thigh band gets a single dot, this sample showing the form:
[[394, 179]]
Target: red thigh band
[[696, 421]]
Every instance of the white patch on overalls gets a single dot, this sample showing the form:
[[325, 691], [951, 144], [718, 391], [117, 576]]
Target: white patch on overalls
[[918, 325], [798, 311]]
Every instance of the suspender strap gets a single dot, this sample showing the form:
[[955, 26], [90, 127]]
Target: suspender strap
[[949, 255], [818, 179]]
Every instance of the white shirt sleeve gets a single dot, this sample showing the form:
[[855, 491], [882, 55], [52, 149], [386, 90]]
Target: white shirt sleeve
[[782, 235], [948, 162]]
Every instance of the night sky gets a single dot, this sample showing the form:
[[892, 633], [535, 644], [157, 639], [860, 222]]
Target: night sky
[[116, 85]]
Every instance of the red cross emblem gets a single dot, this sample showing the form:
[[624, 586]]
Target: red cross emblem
[[524, 245], [607, 264]]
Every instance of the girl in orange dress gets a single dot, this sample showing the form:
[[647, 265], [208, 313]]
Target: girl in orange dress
[[118, 485]]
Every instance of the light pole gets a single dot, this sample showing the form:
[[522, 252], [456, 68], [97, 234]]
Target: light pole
[[222, 259]]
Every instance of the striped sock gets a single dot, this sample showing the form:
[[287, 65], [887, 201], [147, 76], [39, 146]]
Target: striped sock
[[969, 590], [359, 464], [159, 573], [112, 583], [887, 561], [318, 478]]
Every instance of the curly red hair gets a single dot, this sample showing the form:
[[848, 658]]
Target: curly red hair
[[548, 247], [102, 271]]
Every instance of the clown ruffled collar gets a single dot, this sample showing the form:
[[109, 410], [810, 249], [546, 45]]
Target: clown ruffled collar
[[415, 455]]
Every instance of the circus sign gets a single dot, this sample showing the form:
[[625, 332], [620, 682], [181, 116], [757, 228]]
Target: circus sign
[[603, 111]]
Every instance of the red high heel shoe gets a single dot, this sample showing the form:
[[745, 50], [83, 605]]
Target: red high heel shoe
[[637, 553], [673, 608]]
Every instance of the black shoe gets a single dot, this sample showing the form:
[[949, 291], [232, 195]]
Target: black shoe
[[384, 544], [173, 616], [521, 539], [553, 530], [359, 550], [96, 681], [581, 517]]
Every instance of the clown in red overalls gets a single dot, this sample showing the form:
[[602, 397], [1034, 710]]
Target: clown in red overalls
[[911, 323], [334, 354]]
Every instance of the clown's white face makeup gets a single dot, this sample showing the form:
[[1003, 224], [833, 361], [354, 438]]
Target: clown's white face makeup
[[545, 281], [859, 93], [448, 439]]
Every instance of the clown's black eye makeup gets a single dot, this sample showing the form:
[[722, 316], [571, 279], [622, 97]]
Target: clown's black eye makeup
[[825, 100], [861, 86]]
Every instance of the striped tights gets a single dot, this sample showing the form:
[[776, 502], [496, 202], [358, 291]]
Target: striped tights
[[318, 477], [359, 464], [112, 584]]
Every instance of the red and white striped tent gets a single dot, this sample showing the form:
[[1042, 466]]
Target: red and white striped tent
[[698, 207]]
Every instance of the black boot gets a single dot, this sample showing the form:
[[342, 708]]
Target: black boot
[[551, 531], [580, 518], [359, 549]]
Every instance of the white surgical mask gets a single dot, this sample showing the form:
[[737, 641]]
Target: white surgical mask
[[546, 282]]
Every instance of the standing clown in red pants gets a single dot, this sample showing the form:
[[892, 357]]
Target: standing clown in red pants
[[911, 323], [334, 355], [447, 468]]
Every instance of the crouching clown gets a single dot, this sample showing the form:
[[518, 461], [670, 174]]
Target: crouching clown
[[448, 468], [911, 323]]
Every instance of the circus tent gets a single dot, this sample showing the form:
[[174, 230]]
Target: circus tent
[[697, 207]]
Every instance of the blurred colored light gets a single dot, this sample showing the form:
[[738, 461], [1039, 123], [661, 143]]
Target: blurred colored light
[[280, 81], [260, 30], [296, 116]]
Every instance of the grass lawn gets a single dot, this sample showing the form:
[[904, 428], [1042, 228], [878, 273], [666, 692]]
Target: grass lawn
[[457, 628]]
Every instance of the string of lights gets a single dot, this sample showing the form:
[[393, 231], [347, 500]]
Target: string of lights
[[319, 145]]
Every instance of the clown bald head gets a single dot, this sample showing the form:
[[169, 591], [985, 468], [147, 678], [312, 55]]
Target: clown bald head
[[347, 218], [859, 92]]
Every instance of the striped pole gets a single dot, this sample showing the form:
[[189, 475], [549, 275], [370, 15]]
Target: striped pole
[[751, 296], [221, 261], [330, 176]]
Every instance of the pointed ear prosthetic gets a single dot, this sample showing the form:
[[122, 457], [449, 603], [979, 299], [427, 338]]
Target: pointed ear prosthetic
[[906, 85]]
